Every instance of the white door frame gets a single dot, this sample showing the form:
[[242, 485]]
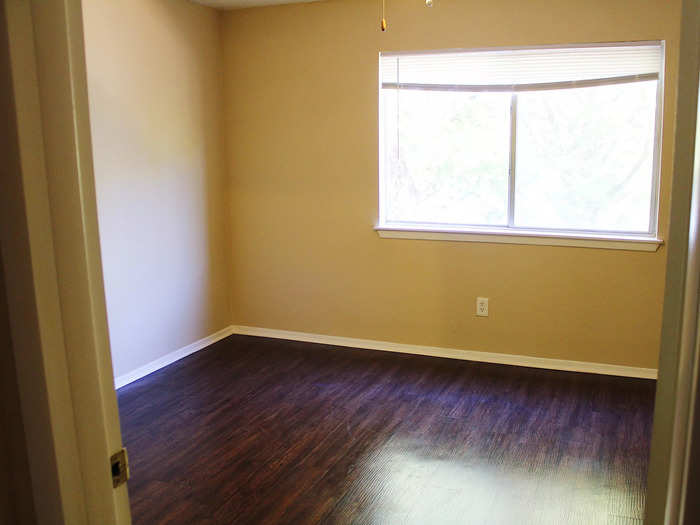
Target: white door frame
[[51, 256], [672, 412]]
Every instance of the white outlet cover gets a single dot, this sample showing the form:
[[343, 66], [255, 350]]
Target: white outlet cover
[[482, 306]]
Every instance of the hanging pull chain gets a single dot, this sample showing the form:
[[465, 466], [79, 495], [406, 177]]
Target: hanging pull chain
[[382, 25]]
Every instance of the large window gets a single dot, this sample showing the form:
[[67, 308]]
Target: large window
[[555, 141]]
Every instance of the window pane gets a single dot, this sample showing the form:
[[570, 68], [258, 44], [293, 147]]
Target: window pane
[[446, 157], [584, 158]]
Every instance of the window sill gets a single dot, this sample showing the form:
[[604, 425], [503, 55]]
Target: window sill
[[607, 242]]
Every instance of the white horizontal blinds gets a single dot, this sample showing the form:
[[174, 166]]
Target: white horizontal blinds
[[521, 69]]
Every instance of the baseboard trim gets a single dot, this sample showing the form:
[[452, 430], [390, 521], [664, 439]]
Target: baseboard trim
[[452, 353], [387, 346], [170, 358]]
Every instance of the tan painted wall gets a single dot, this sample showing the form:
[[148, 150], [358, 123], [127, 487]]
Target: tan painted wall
[[155, 87], [301, 96]]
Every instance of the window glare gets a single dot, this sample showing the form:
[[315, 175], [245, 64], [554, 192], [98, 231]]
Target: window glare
[[585, 157], [542, 140], [447, 157]]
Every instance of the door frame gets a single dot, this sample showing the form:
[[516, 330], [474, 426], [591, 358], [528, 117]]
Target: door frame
[[679, 332], [51, 256]]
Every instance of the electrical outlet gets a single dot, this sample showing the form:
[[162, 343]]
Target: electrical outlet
[[482, 306]]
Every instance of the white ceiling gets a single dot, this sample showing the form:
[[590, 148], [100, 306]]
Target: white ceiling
[[239, 4]]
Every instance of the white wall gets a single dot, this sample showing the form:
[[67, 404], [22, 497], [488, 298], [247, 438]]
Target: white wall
[[155, 88]]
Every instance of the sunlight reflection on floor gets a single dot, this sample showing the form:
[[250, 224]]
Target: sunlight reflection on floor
[[404, 483]]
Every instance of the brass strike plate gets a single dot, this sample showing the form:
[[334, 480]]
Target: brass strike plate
[[120, 468]]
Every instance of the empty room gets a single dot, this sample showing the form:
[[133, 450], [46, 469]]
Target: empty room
[[298, 191], [371, 261]]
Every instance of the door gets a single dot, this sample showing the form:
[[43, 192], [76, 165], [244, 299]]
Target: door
[[690, 504], [51, 261]]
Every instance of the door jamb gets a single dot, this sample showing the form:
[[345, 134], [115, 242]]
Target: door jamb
[[51, 256]]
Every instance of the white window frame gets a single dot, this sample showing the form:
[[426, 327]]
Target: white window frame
[[511, 234]]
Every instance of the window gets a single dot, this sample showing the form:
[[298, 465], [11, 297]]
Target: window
[[559, 142]]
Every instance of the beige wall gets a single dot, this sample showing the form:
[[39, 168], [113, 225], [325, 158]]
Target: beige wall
[[155, 87], [301, 109], [295, 248]]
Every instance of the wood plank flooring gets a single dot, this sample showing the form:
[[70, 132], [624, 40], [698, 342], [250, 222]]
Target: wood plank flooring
[[262, 431]]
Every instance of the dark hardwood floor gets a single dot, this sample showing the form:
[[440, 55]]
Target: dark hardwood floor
[[255, 430]]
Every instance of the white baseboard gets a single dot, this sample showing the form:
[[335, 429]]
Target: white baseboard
[[387, 346], [453, 353], [167, 359]]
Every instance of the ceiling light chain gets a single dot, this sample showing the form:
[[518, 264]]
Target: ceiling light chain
[[382, 24]]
